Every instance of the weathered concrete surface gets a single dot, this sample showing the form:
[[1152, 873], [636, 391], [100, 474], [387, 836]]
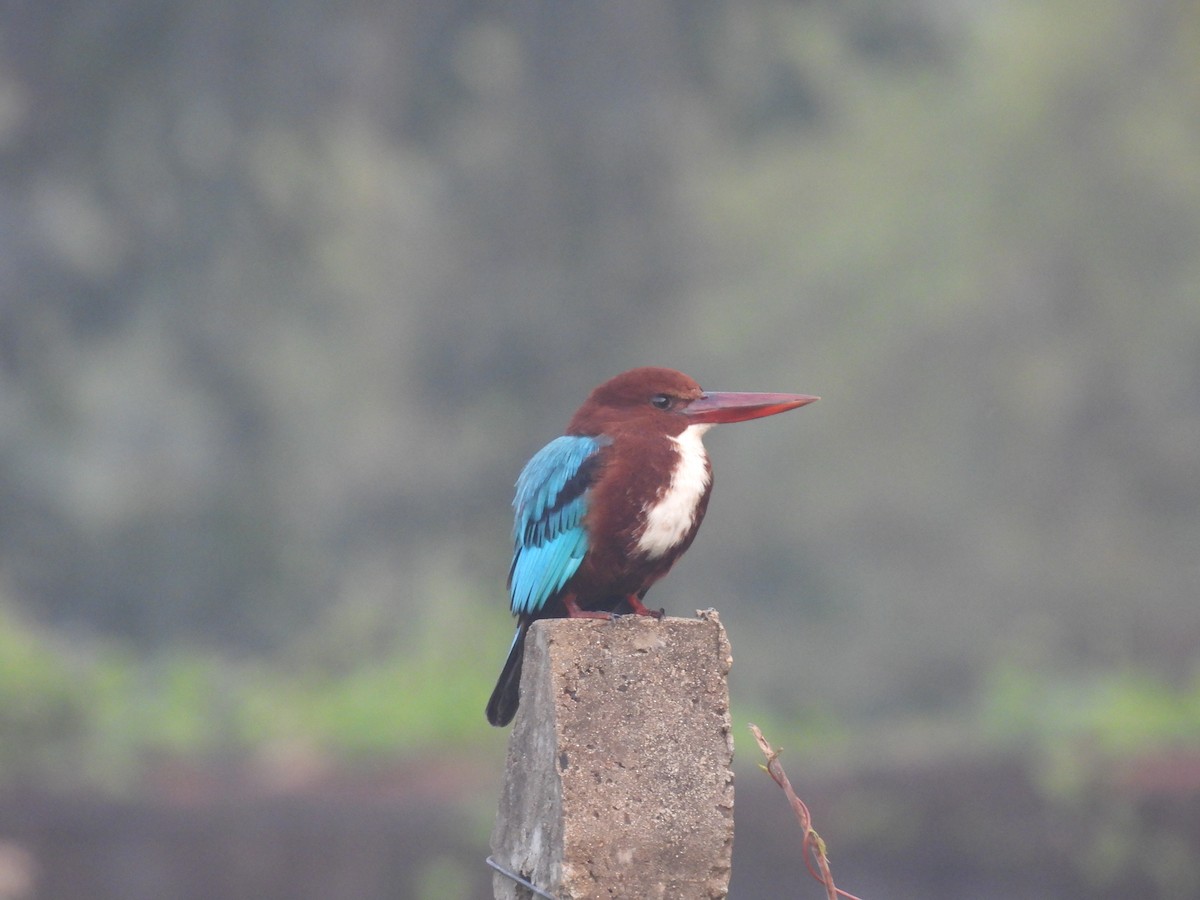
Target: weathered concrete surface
[[619, 781]]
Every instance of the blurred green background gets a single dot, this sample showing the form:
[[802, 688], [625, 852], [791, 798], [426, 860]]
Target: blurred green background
[[291, 291]]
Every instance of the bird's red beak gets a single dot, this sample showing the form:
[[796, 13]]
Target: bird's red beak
[[721, 407]]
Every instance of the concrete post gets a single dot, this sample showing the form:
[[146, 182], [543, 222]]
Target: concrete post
[[618, 779]]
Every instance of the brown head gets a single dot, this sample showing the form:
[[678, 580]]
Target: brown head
[[661, 400]]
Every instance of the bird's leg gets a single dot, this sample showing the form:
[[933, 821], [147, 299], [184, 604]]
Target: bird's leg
[[571, 602], [635, 604]]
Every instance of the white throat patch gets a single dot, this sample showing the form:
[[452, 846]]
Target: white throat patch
[[671, 515]]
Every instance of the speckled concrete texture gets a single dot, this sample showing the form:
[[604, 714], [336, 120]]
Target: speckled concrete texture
[[619, 782]]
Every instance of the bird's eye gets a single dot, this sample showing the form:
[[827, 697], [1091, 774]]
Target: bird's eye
[[660, 401]]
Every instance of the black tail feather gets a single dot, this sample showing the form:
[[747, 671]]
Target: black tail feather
[[507, 694]]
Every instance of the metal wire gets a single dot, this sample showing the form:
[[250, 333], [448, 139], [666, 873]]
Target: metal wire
[[507, 873]]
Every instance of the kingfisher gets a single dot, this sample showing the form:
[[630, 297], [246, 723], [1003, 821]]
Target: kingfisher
[[605, 510]]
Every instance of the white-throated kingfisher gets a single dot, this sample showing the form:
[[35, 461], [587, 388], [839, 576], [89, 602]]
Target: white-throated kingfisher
[[603, 512]]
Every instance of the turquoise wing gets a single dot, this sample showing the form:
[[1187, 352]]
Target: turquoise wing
[[549, 536]]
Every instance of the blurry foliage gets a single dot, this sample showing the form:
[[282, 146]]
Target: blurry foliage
[[70, 720], [1113, 713], [42, 714], [288, 300], [1115, 753]]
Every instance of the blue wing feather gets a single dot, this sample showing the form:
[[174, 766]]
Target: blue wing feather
[[549, 537]]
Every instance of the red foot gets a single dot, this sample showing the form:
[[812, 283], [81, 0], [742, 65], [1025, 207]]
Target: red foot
[[574, 612], [639, 609]]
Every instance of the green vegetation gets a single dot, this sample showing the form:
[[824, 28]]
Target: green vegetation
[[1109, 714], [73, 719], [99, 716], [287, 308]]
